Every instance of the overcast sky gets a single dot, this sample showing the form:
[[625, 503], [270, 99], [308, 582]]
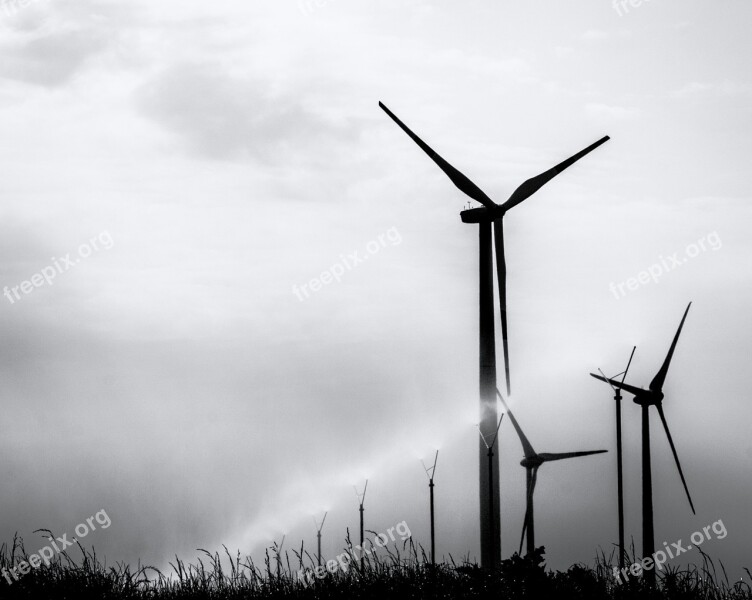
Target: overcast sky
[[224, 154]]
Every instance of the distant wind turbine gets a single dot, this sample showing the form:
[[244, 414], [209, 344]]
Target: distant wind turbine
[[484, 216], [495, 511], [619, 471], [361, 500], [430, 472], [653, 396], [318, 536], [532, 463]]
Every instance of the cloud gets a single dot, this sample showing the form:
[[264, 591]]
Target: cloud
[[597, 109], [595, 35], [48, 43], [723, 88], [224, 117], [51, 60]]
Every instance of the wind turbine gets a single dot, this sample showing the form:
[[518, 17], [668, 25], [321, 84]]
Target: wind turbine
[[532, 463], [318, 535], [653, 396], [430, 473], [619, 476], [361, 500], [484, 216], [495, 523]]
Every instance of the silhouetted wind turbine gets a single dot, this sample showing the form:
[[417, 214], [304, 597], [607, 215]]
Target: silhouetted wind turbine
[[484, 217], [619, 472], [495, 511], [532, 463], [361, 500], [318, 536], [645, 398], [430, 473]]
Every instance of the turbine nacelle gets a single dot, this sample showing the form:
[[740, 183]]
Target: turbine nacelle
[[649, 398], [532, 462], [482, 214]]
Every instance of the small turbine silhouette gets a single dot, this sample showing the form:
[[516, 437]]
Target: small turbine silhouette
[[532, 463]]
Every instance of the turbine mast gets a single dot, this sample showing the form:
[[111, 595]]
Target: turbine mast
[[488, 479]]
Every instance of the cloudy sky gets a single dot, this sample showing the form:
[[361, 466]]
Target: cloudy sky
[[179, 170]]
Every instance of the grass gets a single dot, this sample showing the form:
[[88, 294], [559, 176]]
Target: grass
[[391, 574]]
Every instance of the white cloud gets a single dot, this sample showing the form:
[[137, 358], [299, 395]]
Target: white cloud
[[723, 88], [600, 110]]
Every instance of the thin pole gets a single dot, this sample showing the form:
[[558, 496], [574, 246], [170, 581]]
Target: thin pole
[[430, 474], [620, 478], [493, 521], [648, 541], [619, 458], [531, 517], [362, 499], [318, 535], [433, 535]]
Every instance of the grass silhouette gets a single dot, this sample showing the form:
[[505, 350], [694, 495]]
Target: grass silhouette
[[385, 574]]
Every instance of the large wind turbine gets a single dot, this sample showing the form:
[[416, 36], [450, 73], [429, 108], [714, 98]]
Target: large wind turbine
[[653, 396], [484, 216], [532, 463]]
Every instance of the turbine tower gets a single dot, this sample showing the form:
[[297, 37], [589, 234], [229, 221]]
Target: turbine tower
[[361, 501], [494, 509], [532, 463], [430, 473], [490, 213], [653, 396], [318, 536], [619, 471]]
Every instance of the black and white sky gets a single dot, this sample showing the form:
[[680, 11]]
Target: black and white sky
[[180, 170]]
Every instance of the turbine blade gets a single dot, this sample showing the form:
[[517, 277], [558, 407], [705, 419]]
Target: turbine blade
[[524, 529], [621, 385], [631, 356], [659, 406], [501, 274], [458, 178], [532, 185], [527, 447], [549, 456], [657, 384]]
